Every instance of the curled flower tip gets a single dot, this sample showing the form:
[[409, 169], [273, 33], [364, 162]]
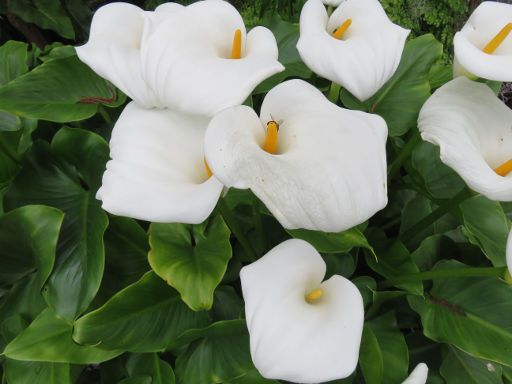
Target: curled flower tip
[[340, 31], [505, 168], [236, 49], [496, 41], [208, 170], [270, 144], [314, 295]]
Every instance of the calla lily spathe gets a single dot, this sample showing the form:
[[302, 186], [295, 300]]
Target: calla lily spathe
[[418, 376], [301, 329], [180, 57], [481, 31], [471, 126], [328, 171], [365, 57], [157, 171]]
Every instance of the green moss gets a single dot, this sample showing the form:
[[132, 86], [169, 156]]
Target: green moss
[[442, 18]]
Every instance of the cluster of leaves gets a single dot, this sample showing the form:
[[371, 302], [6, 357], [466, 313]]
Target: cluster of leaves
[[84, 296]]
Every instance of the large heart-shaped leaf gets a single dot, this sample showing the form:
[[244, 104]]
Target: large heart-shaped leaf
[[34, 372], [63, 89], [28, 241], [13, 61], [471, 313], [65, 176], [48, 338], [144, 317], [487, 226], [459, 367], [151, 365], [217, 354], [191, 258]]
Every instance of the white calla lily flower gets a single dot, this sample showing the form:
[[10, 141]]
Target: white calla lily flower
[[157, 172], [313, 164], [472, 128], [357, 46], [483, 47], [196, 59], [301, 329], [418, 376]]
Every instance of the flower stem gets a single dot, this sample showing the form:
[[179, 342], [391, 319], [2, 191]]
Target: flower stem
[[230, 220], [330, 10], [404, 154], [444, 274], [436, 214], [334, 92]]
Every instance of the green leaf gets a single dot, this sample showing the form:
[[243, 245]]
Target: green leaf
[[191, 258], [370, 358], [394, 260], [60, 90], [459, 367], [9, 122], [469, 313], [150, 364], [13, 61], [401, 98], [287, 35], [391, 341], [48, 338], [28, 242], [144, 317], [486, 225], [431, 250], [439, 180], [47, 14], [216, 354], [47, 178], [139, 379], [32, 372], [325, 242]]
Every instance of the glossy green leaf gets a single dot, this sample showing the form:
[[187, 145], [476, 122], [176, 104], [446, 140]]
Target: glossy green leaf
[[431, 250], [13, 60], [139, 379], [486, 225], [399, 101], [48, 338], [191, 258], [32, 372], [60, 90], [287, 35], [151, 365], [216, 354], [48, 14], [9, 122], [24, 301], [395, 355], [327, 242], [28, 242], [371, 360], [459, 367], [63, 176], [469, 313], [394, 260], [144, 317], [439, 180]]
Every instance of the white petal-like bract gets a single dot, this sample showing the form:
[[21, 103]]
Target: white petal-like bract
[[157, 171], [472, 128], [366, 57], [418, 376], [484, 23], [329, 172], [180, 57], [290, 338]]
